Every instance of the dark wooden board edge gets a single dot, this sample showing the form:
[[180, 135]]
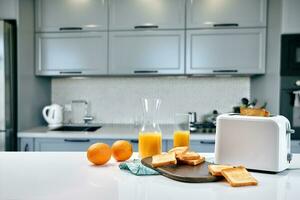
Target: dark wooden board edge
[[165, 173]]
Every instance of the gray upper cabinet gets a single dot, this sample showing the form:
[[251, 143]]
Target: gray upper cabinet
[[216, 13], [226, 51], [70, 15], [153, 14], [146, 52], [8, 9], [82, 53]]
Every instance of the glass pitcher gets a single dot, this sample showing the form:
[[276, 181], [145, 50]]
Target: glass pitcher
[[150, 139]]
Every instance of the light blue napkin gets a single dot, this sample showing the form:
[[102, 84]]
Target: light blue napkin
[[137, 168]]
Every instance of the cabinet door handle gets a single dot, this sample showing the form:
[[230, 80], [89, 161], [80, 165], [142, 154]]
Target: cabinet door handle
[[71, 72], [145, 71], [134, 141], [70, 28], [26, 148], [146, 27], [76, 140], [207, 142], [226, 25], [225, 71]]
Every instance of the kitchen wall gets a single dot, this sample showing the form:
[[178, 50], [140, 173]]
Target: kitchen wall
[[117, 100]]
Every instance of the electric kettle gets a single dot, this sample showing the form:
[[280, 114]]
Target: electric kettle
[[53, 114]]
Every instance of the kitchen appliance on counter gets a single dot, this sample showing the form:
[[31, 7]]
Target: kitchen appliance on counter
[[53, 114], [290, 55], [289, 104], [207, 125], [290, 80], [258, 143], [8, 86]]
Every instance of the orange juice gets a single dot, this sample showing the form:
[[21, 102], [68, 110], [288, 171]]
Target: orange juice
[[181, 138], [149, 144]]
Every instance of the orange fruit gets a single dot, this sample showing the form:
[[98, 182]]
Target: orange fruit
[[121, 150], [99, 153]]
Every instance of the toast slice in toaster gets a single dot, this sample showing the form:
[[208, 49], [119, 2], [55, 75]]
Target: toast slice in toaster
[[189, 156], [215, 170], [238, 176], [260, 112], [179, 150], [192, 162], [165, 159]]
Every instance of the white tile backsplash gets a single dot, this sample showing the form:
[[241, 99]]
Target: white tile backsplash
[[117, 99]]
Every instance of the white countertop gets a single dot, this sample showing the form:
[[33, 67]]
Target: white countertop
[[43, 176], [107, 131]]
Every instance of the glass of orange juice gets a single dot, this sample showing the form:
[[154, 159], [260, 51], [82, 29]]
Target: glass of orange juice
[[150, 137], [181, 130]]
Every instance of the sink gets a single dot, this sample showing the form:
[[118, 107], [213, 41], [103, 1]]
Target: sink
[[77, 128]]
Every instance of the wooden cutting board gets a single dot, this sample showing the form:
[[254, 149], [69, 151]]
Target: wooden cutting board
[[184, 173]]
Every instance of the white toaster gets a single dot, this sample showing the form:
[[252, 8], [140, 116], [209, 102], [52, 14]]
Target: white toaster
[[257, 143]]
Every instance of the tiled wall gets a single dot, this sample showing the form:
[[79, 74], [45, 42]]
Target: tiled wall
[[117, 100]]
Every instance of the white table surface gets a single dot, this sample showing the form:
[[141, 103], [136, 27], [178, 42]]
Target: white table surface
[[41, 175]]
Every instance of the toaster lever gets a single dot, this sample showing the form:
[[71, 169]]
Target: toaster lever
[[290, 131]]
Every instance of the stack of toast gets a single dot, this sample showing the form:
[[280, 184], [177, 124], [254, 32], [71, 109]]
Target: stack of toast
[[236, 176], [177, 155]]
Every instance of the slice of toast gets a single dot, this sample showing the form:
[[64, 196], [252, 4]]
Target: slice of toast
[[179, 150], [215, 170], [164, 159], [189, 156], [238, 176], [193, 162]]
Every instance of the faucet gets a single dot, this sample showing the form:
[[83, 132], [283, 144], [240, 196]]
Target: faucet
[[86, 118]]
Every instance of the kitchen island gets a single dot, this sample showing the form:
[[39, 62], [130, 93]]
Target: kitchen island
[[50, 175]]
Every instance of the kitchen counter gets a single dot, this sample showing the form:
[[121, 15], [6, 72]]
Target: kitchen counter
[[43, 176], [108, 131]]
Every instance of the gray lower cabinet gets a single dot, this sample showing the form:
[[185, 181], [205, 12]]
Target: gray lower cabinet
[[70, 144], [295, 145], [82, 53], [146, 52], [226, 51], [67, 144], [203, 146]]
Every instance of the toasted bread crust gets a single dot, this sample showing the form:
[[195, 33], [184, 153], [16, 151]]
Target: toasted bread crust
[[215, 170], [238, 176]]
